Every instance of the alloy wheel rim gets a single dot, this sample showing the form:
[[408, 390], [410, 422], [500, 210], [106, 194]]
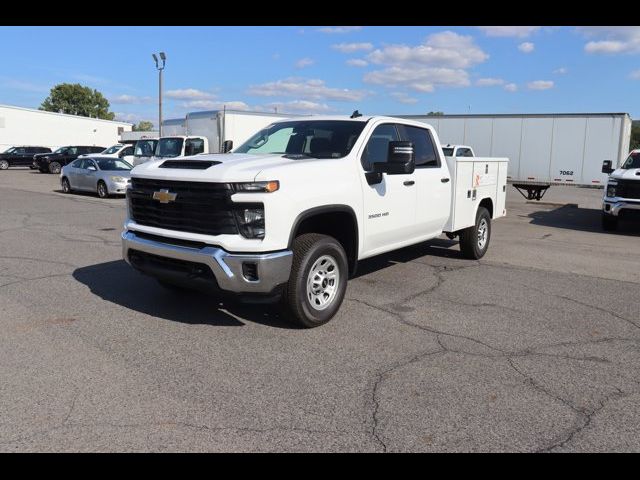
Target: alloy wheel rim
[[483, 230], [323, 282], [4, 165]]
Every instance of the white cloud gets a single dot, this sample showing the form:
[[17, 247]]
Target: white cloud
[[189, 94], [561, 71], [489, 82], [332, 30], [511, 87], [611, 40], [305, 62], [526, 47], [444, 49], [306, 89], [357, 62], [130, 117], [299, 106], [540, 85], [519, 32], [216, 105], [352, 47], [129, 99], [403, 97], [635, 75], [441, 60]]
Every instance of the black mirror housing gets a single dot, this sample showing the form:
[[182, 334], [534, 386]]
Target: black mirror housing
[[607, 167], [227, 145], [401, 159]]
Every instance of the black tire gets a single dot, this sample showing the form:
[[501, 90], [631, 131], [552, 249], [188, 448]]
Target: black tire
[[66, 186], [311, 250], [102, 190], [609, 222], [4, 164], [474, 244], [55, 167]]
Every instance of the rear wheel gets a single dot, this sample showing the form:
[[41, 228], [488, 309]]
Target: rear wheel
[[55, 167], [4, 164], [474, 241], [66, 186], [318, 280], [609, 222], [102, 190]]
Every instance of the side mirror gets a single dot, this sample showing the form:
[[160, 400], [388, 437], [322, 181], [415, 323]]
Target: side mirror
[[227, 145], [607, 167], [91, 168], [401, 159]]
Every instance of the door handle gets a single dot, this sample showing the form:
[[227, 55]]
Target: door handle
[[408, 183], [444, 180]]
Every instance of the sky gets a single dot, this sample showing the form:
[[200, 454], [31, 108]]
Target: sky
[[330, 70]]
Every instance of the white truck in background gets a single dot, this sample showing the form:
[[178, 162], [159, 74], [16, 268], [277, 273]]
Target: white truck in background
[[457, 150], [622, 193], [290, 212], [213, 131]]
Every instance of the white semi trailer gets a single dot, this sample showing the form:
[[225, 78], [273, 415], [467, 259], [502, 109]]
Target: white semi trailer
[[543, 149]]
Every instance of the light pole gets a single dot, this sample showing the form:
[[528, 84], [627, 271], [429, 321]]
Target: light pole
[[159, 67]]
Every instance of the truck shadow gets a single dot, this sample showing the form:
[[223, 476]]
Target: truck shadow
[[118, 283], [573, 217]]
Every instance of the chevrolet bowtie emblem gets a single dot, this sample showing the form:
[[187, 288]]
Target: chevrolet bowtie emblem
[[164, 196]]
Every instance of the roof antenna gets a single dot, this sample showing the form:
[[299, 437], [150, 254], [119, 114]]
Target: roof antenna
[[356, 114]]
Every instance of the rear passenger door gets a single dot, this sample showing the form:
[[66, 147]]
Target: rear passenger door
[[24, 158], [433, 182]]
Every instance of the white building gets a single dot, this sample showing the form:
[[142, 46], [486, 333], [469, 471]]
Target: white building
[[26, 126]]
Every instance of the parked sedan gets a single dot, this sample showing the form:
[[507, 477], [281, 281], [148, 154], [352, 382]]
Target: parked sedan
[[103, 175]]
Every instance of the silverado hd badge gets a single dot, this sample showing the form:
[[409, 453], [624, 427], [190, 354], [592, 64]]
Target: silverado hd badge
[[164, 196]]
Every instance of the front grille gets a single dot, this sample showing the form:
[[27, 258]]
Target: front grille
[[628, 189], [199, 207]]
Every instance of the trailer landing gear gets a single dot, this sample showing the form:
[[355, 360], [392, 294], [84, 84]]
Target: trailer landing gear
[[534, 192]]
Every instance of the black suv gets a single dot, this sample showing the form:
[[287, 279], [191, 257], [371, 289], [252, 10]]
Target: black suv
[[20, 156], [53, 162]]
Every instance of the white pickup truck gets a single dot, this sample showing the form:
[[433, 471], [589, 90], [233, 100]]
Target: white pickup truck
[[622, 193], [289, 213]]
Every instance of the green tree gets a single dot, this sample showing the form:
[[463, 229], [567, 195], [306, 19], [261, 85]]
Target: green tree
[[75, 99], [143, 126], [635, 135], [435, 113]]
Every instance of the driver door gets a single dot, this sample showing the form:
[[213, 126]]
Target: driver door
[[388, 206]]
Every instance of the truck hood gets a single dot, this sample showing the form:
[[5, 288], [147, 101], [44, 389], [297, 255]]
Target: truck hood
[[626, 174], [232, 167]]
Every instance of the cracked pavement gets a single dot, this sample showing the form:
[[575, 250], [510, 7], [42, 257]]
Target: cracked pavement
[[534, 348]]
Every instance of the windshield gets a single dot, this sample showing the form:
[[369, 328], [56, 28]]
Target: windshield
[[61, 150], [145, 148], [447, 152], [312, 138], [633, 161], [112, 164], [10, 150], [169, 147], [112, 150]]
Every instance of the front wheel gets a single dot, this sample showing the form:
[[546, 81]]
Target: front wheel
[[474, 241], [103, 192], [66, 186], [318, 280], [4, 164], [55, 167]]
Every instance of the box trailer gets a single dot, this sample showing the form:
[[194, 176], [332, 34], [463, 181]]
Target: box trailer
[[219, 126], [173, 127], [543, 149]]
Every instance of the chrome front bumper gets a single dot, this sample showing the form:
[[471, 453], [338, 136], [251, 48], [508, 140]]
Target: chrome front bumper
[[273, 269], [614, 206]]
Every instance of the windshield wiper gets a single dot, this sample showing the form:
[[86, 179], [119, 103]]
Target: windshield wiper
[[297, 156]]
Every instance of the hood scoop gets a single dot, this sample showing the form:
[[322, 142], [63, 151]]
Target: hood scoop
[[189, 164]]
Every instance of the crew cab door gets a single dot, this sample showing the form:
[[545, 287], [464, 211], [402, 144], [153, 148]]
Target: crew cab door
[[388, 206], [433, 182]]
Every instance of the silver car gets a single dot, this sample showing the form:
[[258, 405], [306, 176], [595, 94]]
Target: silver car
[[103, 175]]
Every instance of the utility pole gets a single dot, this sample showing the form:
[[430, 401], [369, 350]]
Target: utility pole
[[160, 68]]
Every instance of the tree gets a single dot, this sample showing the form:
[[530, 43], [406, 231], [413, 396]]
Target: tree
[[75, 99], [435, 113], [635, 135], [143, 126]]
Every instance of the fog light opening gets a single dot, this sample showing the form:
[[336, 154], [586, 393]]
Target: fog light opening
[[250, 271]]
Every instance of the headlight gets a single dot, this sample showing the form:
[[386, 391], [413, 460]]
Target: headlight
[[264, 187], [119, 179], [611, 189], [251, 221]]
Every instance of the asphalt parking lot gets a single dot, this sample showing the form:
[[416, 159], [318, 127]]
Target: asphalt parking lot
[[536, 347]]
